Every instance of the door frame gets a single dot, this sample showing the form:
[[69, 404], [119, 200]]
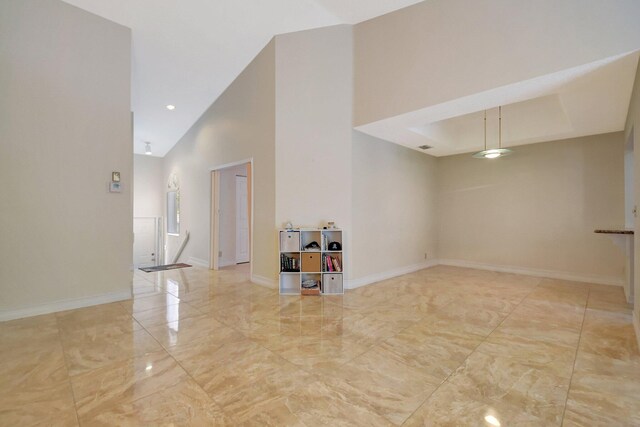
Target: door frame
[[214, 240]]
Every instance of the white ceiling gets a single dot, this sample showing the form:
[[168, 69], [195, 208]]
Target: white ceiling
[[187, 52], [586, 100]]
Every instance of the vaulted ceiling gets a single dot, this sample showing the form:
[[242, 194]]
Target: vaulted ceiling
[[185, 53]]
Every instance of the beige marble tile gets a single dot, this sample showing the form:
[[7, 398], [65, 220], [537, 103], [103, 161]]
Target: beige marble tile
[[143, 303], [320, 403], [143, 288], [242, 377], [441, 346], [87, 352], [453, 319], [604, 391], [513, 383], [573, 295], [17, 333], [318, 354], [166, 314], [35, 366], [96, 316], [101, 389], [50, 406], [435, 352], [451, 406], [184, 404], [609, 334], [557, 357], [93, 331], [203, 328], [384, 382], [539, 330], [608, 298], [553, 314]]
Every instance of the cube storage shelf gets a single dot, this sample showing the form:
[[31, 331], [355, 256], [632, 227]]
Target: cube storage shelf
[[305, 256]]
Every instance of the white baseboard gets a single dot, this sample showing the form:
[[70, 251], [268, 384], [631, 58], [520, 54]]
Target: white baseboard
[[198, 262], [636, 325], [384, 275], [62, 305], [550, 274], [264, 281]]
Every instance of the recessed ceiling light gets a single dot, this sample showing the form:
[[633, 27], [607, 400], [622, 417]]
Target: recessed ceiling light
[[171, 107]]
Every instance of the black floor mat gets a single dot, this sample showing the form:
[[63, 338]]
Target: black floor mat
[[164, 267]]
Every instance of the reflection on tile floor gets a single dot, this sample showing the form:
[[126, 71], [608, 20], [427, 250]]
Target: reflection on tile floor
[[442, 346]]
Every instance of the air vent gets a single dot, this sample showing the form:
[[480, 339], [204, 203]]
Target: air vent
[[424, 147]]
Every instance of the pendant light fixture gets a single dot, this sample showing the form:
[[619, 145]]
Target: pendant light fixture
[[147, 148], [493, 153]]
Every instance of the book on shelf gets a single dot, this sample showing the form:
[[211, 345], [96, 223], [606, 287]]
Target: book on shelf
[[288, 263], [336, 264]]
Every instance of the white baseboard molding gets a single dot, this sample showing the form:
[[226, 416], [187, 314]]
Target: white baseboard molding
[[636, 325], [225, 263], [550, 274], [198, 262], [384, 275], [62, 305], [264, 281]]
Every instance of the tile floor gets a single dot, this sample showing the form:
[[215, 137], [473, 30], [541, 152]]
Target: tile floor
[[442, 346]]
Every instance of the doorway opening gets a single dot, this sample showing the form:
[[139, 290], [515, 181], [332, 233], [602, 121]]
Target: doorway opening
[[231, 216]]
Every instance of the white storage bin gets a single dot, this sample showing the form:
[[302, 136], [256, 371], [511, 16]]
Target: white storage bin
[[332, 283], [289, 241]]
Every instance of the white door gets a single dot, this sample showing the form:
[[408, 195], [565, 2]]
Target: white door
[[144, 242], [242, 220]]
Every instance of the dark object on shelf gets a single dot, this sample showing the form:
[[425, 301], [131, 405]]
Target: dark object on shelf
[[335, 246], [308, 284], [313, 246], [289, 264]]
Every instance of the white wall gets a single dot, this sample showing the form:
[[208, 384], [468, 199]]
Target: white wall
[[227, 244], [394, 208], [239, 125], [65, 125], [538, 208], [439, 50], [149, 186], [632, 130], [314, 85]]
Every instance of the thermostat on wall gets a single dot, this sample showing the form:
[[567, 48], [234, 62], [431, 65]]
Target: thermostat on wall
[[114, 187]]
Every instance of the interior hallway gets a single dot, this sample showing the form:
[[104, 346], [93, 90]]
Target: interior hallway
[[442, 346]]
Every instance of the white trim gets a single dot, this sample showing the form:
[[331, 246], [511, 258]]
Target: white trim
[[377, 277], [62, 305], [264, 281], [551, 274], [232, 164], [636, 325], [198, 262]]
